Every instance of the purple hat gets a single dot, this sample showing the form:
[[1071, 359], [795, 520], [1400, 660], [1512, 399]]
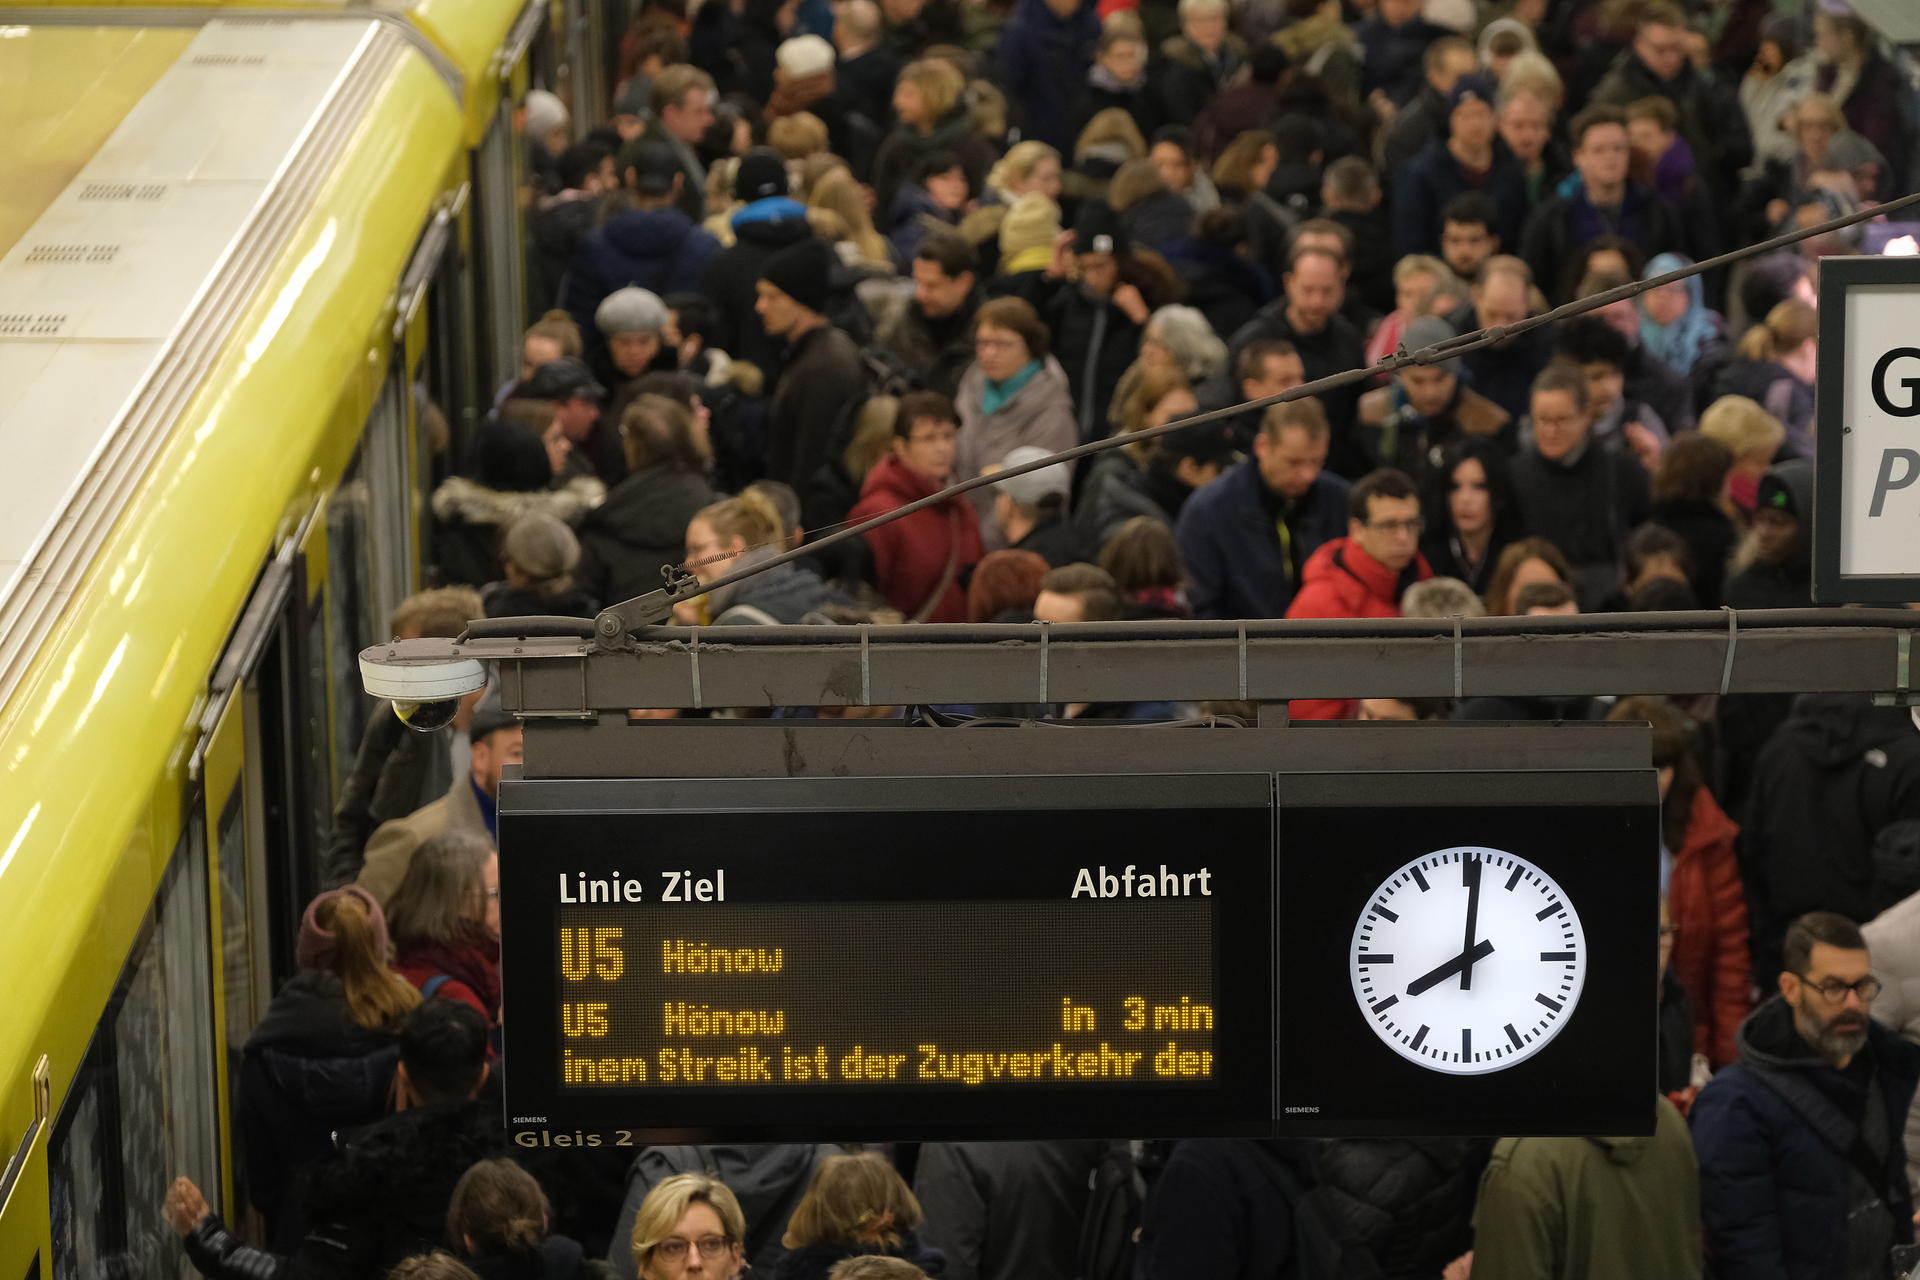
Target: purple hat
[[314, 950]]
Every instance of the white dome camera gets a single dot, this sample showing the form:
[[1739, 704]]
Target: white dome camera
[[425, 685]]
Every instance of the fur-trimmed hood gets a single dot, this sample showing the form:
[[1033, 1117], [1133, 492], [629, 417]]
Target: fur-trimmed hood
[[459, 498]]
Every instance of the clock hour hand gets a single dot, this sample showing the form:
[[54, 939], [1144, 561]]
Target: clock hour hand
[[1456, 965]]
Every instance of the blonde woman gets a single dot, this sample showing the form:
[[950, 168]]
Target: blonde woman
[[685, 1218], [1774, 366], [737, 533], [1028, 168], [838, 191], [927, 102]]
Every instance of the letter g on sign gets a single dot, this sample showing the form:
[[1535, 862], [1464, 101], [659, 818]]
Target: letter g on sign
[[1880, 384]]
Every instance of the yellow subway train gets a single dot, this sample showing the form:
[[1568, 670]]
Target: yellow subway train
[[242, 250]]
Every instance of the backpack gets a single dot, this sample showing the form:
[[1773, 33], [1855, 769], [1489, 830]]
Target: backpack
[[1110, 1227], [1318, 1252]]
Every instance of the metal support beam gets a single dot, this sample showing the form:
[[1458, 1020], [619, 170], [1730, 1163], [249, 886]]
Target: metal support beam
[[1759, 651]]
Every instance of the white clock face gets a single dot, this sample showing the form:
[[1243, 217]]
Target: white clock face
[[1468, 960]]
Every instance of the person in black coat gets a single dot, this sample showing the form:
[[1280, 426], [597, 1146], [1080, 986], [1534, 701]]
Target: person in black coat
[[1221, 279], [1006, 1210], [823, 376], [770, 221], [856, 1205], [1118, 78], [1598, 199], [499, 1220], [1097, 320], [641, 527], [1687, 498], [1226, 1209], [560, 222], [1582, 497], [1802, 1167], [381, 1194], [1471, 512]]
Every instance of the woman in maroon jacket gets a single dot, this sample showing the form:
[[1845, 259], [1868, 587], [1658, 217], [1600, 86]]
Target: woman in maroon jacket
[[921, 562], [1700, 874]]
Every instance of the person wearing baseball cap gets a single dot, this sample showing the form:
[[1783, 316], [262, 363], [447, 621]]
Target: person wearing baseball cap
[[1031, 509], [1098, 321], [1463, 159], [648, 243], [823, 373]]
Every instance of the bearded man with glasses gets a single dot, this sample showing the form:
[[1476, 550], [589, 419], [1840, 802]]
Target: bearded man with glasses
[[1802, 1171]]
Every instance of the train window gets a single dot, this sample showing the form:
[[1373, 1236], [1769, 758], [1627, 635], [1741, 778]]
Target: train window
[[243, 958], [503, 292], [353, 618], [141, 1109], [384, 449], [324, 774]]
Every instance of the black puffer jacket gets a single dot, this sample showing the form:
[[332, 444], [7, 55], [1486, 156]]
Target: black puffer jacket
[[558, 1258], [1408, 1203], [308, 1071], [814, 1261], [641, 527], [761, 230]]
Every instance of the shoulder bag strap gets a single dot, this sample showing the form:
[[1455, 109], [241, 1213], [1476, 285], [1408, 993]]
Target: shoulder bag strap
[[939, 591]]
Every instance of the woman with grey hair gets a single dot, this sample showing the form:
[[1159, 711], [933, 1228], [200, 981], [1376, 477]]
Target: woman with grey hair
[[1177, 338]]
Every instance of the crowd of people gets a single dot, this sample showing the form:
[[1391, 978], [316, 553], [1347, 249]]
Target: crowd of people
[[829, 257]]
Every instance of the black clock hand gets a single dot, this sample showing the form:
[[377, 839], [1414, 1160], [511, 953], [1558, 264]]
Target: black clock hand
[[1470, 871], [1447, 970]]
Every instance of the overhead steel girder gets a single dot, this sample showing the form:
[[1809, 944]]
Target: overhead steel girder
[[1760, 651]]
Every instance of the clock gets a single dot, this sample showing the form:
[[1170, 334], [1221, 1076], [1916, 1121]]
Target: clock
[[1468, 960]]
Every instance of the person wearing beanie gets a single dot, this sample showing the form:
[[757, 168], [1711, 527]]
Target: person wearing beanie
[[769, 220], [470, 807], [323, 1055], [823, 374], [648, 242], [1097, 318], [545, 124], [802, 75], [1464, 159], [633, 323], [1027, 234], [1409, 423], [538, 554]]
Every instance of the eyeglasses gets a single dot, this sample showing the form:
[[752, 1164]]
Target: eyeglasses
[[1413, 526], [1833, 991], [675, 1248], [996, 344]]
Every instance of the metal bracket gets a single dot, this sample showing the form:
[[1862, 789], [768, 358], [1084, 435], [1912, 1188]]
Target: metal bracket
[[612, 625], [1902, 695], [1733, 645], [693, 652], [1458, 681], [1243, 660], [1045, 629]]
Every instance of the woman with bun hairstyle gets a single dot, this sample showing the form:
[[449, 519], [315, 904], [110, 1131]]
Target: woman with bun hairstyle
[[499, 1218], [856, 1205], [322, 1058]]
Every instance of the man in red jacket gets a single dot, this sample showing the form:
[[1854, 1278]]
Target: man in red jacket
[[921, 562], [1363, 574]]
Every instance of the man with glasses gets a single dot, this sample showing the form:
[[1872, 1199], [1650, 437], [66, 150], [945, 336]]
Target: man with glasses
[[1802, 1172], [1363, 574]]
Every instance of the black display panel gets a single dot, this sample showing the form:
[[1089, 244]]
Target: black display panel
[[1553, 1031], [1042, 966]]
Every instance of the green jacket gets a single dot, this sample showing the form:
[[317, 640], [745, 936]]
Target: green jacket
[[1591, 1208]]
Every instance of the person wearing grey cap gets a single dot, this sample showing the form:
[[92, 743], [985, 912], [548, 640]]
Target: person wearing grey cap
[[633, 323], [538, 555], [1409, 422], [471, 805], [648, 242], [1030, 510]]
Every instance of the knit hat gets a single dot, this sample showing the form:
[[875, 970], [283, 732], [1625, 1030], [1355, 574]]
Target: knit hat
[[804, 56], [803, 271], [1457, 16], [562, 379], [541, 546], [630, 310], [1209, 443], [545, 113], [1776, 494], [1032, 222], [511, 458], [1031, 489], [314, 947], [1472, 87], [636, 96], [1429, 331], [762, 173], [1098, 230]]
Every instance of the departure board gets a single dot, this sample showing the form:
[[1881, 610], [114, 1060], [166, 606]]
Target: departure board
[[1029, 962]]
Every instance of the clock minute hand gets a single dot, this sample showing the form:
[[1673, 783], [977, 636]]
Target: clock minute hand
[[1447, 970], [1470, 871]]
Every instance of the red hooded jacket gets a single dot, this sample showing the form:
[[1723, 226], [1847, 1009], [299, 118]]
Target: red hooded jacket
[[1709, 908], [1342, 581], [910, 554]]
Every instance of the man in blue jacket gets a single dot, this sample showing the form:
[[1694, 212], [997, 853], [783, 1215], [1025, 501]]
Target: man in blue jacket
[[1245, 537], [1802, 1171]]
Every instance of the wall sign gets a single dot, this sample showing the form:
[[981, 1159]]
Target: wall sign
[[1034, 957], [1867, 440]]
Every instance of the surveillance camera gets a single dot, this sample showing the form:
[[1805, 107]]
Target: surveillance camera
[[425, 685]]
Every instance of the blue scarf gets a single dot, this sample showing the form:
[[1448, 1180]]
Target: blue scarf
[[1677, 345], [998, 393]]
